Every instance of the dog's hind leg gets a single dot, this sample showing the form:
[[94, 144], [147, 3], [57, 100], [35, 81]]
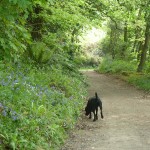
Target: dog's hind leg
[[90, 116], [97, 113]]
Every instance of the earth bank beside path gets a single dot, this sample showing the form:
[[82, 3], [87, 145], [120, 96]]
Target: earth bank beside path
[[126, 123]]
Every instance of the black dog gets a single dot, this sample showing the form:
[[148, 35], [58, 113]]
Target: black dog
[[92, 106]]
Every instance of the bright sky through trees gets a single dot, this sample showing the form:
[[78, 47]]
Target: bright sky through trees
[[94, 35]]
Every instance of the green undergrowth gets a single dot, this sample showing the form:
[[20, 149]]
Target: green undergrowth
[[141, 81], [116, 66], [38, 106], [127, 71]]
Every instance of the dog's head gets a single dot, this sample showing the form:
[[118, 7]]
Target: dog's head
[[87, 111]]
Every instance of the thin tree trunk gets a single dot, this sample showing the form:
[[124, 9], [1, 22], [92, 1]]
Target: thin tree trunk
[[111, 44], [140, 47], [36, 23], [125, 40], [145, 48], [137, 34]]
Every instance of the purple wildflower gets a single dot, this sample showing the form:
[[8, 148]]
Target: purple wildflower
[[71, 97], [4, 113], [1, 105], [14, 118]]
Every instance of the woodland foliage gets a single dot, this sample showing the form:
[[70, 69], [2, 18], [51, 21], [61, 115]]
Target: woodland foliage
[[53, 25], [39, 49], [126, 47], [128, 31], [40, 84]]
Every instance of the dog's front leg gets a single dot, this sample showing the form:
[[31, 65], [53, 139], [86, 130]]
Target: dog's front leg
[[101, 112]]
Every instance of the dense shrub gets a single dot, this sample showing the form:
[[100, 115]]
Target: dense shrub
[[116, 66], [86, 61], [141, 81], [147, 68], [37, 106]]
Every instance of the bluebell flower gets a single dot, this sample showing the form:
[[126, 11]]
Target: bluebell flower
[[4, 83], [71, 97], [5, 107], [14, 115], [8, 77], [13, 112], [14, 118], [4, 113], [1, 105], [53, 87], [16, 81]]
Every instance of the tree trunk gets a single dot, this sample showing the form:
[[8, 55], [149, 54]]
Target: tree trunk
[[36, 23], [111, 44], [125, 40], [136, 44], [145, 48], [139, 50]]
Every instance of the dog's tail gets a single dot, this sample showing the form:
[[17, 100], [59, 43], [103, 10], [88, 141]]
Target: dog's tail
[[96, 95]]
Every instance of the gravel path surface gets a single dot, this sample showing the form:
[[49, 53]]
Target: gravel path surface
[[126, 123]]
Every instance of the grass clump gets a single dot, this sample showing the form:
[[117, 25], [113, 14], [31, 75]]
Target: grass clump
[[37, 106], [141, 81]]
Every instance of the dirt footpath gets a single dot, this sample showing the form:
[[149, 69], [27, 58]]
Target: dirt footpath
[[126, 123]]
